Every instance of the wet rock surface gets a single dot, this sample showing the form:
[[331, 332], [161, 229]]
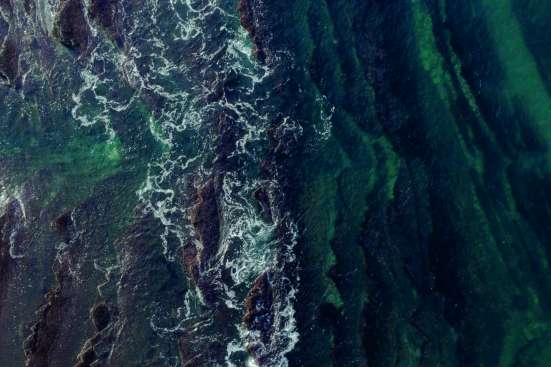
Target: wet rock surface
[[205, 218], [262, 196], [63, 225], [51, 319], [258, 308], [248, 17], [96, 349], [71, 26], [101, 316], [9, 61], [106, 13], [6, 6], [6, 261]]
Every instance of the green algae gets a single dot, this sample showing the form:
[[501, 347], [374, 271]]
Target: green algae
[[391, 165], [82, 157], [435, 194], [430, 58], [436, 69], [323, 215], [522, 78], [486, 277]]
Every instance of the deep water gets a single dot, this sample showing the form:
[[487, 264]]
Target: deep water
[[275, 183]]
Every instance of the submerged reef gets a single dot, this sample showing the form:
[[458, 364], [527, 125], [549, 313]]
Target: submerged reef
[[275, 183], [423, 216]]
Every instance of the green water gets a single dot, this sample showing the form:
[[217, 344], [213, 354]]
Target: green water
[[426, 207]]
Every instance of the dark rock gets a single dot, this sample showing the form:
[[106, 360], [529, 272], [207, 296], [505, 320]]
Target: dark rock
[[63, 222], [191, 261], [205, 218], [96, 349], [29, 6], [8, 221], [89, 355], [210, 294], [258, 307], [86, 358], [71, 27], [228, 133], [100, 316], [9, 61], [5, 258], [63, 226], [4, 28], [6, 4], [261, 195], [247, 17], [206, 221], [104, 12], [45, 331]]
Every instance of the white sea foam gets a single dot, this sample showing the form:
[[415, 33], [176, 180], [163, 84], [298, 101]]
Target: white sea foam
[[182, 125], [17, 246], [325, 124]]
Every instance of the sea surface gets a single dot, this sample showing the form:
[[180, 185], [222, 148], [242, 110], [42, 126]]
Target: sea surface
[[275, 183]]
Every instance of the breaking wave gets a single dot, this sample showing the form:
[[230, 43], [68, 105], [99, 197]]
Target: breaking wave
[[176, 55]]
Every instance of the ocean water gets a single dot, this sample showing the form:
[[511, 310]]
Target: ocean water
[[131, 123], [275, 183]]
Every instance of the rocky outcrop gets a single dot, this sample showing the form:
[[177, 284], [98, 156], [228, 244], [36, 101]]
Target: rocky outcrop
[[259, 312], [9, 61], [228, 132], [96, 349], [101, 316], [6, 262], [190, 258], [13, 243], [105, 12], [247, 16], [45, 331], [148, 286], [205, 218], [88, 355], [63, 226], [5, 14], [6, 5], [71, 313], [262, 196], [71, 26]]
